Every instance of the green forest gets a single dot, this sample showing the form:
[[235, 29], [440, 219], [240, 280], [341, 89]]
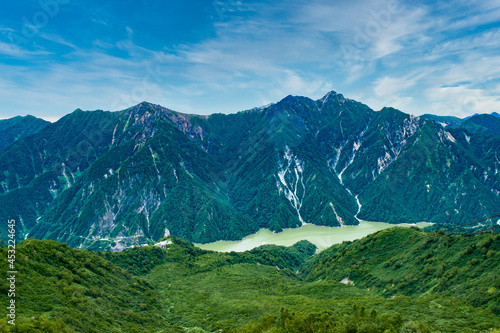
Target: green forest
[[396, 280]]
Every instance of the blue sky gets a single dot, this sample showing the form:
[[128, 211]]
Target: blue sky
[[440, 57]]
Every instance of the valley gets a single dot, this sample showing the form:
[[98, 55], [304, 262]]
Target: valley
[[226, 166]]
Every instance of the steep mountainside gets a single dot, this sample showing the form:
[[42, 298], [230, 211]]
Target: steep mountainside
[[18, 127], [37, 169], [444, 120], [485, 124], [112, 179]]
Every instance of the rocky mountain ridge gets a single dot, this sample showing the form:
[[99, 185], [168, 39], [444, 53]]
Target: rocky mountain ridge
[[105, 180]]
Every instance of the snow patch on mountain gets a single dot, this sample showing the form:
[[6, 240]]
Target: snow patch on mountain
[[355, 147], [291, 180], [450, 137], [467, 138], [341, 221]]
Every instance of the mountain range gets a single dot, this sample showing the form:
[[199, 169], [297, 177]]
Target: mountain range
[[18, 127], [109, 180]]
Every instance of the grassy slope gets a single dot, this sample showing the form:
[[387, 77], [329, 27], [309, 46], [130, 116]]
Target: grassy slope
[[453, 265], [150, 289], [230, 295], [79, 288]]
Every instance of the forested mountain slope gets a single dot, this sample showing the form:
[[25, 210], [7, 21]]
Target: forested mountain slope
[[108, 180]]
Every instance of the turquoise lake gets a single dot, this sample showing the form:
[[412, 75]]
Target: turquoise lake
[[322, 237]]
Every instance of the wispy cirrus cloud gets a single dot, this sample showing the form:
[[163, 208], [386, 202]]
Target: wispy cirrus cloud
[[14, 51]]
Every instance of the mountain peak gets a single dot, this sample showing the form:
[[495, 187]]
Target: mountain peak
[[293, 102], [330, 95], [144, 104], [291, 98], [390, 109], [146, 108]]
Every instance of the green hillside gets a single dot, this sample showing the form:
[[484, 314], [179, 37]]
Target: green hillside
[[76, 290], [429, 283], [454, 265]]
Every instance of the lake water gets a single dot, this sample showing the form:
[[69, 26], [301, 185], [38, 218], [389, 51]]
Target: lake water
[[322, 237]]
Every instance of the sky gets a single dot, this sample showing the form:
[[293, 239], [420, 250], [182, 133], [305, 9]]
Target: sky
[[203, 57]]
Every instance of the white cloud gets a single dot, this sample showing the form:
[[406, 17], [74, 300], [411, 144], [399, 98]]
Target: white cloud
[[15, 51], [130, 32], [56, 39], [391, 85], [294, 84], [93, 81], [478, 14], [461, 101], [406, 29], [403, 103], [475, 67], [415, 57]]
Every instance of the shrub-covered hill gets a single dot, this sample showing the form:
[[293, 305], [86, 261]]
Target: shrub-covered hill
[[411, 262], [140, 260], [77, 290], [185, 289]]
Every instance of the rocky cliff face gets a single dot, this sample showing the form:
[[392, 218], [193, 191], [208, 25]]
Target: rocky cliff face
[[114, 179]]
